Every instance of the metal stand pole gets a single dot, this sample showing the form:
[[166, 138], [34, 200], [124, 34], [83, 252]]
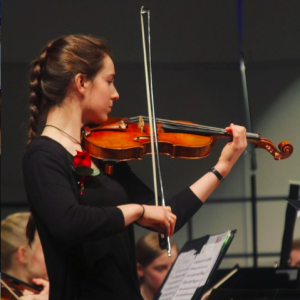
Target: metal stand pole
[[249, 128]]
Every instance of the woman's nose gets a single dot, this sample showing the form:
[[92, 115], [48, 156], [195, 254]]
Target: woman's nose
[[115, 95]]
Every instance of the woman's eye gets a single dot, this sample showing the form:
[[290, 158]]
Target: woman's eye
[[110, 81]]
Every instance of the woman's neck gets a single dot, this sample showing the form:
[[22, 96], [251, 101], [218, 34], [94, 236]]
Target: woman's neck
[[67, 122], [20, 273], [147, 292]]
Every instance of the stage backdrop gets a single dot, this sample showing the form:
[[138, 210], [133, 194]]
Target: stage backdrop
[[196, 76]]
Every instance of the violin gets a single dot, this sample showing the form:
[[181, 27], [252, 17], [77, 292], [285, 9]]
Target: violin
[[12, 288], [124, 139]]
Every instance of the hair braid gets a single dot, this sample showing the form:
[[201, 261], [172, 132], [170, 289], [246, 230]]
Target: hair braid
[[36, 109], [35, 97], [35, 105]]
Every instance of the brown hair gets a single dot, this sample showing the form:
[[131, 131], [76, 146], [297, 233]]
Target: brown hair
[[53, 71], [147, 249], [51, 75], [12, 237]]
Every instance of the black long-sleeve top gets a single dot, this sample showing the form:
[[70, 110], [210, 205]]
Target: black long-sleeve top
[[89, 252]]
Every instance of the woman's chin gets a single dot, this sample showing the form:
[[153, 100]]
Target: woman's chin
[[104, 118], [97, 119]]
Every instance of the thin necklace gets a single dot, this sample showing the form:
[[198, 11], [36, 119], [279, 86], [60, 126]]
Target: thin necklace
[[69, 136]]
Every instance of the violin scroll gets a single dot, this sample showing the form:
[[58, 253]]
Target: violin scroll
[[285, 148]]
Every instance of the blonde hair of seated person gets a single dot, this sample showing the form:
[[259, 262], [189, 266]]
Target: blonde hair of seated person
[[18, 259]]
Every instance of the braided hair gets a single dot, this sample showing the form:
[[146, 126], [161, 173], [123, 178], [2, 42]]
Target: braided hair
[[51, 75]]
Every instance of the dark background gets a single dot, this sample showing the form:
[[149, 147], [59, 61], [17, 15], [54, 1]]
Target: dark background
[[195, 52]]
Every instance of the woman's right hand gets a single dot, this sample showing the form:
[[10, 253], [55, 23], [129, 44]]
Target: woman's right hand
[[160, 218]]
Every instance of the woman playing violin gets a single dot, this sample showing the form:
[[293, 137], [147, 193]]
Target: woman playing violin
[[85, 223]]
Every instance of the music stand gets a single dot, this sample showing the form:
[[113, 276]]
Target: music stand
[[290, 221]]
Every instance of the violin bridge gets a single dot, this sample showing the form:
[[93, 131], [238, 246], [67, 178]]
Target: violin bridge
[[141, 124], [122, 125]]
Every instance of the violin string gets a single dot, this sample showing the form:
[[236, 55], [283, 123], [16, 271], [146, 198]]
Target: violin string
[[164, 121], [208, 129]]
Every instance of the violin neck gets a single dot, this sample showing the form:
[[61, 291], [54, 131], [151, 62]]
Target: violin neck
[[217, 133], [207, 131]]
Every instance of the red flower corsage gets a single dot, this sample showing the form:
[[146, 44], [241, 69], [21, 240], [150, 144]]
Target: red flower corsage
[[82, 163]]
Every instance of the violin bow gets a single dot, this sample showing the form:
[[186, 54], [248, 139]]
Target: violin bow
[[164, 241]]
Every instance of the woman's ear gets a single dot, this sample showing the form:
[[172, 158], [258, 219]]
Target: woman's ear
[[22, 254], [140, 270], [80, 83]]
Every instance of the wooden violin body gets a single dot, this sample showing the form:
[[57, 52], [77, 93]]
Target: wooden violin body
[[126, 139]]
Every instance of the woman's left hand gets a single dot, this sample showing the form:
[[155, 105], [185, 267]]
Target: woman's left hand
[[204, 187], [44, 283], [43, 295], [232, 150]]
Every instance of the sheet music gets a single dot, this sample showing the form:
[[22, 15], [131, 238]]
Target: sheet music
[[197, 272], [211, 252], [180, 269]]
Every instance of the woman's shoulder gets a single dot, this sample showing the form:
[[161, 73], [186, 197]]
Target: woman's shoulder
[[47, 146]]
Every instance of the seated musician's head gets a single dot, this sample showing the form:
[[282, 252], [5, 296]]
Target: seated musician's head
[[18, 259], [153, 264], [295, 254]]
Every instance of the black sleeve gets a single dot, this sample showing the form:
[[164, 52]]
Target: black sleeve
[[184, 205], [52, 199]]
